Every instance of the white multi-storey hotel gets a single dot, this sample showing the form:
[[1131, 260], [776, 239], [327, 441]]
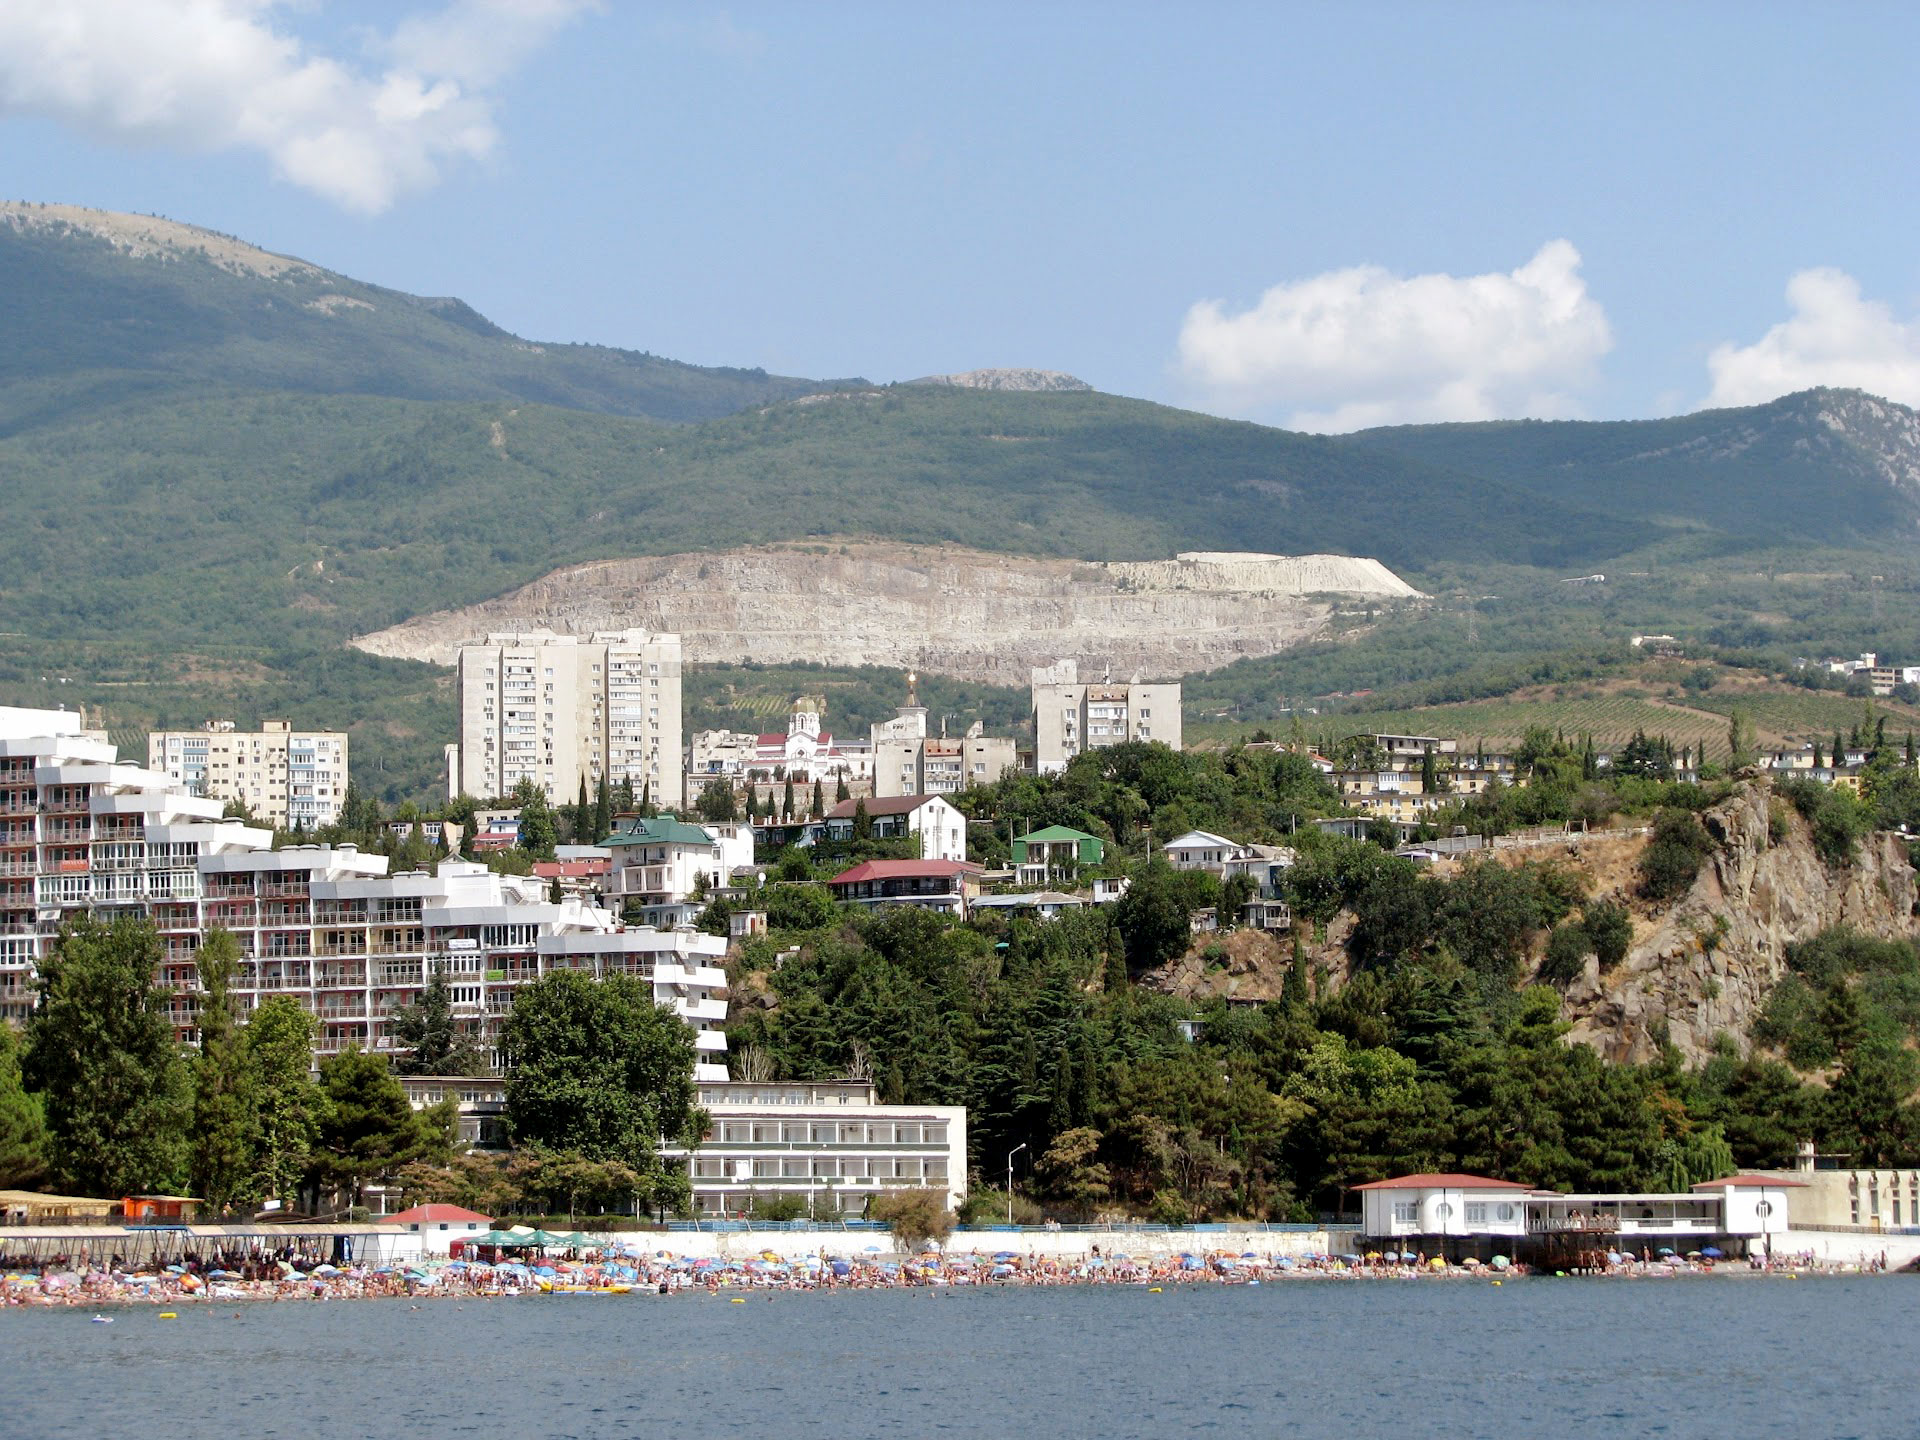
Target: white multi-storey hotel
[[557, 709], [82, 832]]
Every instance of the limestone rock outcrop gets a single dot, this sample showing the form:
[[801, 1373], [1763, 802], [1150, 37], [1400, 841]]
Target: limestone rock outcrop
[[1707, 963], [968, 613]]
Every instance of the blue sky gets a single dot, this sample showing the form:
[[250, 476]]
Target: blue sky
[[1608, 203]]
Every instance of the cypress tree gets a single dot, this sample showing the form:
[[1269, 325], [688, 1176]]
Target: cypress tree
[[582, 817], [602, 812], [819, 801], [786, 802], [840, 785]]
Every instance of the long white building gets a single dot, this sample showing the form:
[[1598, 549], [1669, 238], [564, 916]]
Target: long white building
[[81, 832], [830, 1143], [557, 709]]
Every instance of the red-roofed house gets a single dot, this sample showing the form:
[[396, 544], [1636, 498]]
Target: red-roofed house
[[941, 828], [943, 885], [438, 1226]]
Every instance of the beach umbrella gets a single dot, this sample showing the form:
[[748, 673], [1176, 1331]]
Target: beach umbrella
[[1714, 1252], [223, 1275], [325, 1270], [1664, 1250], [998, 1254], [1285, 1262], [1499, 1262], [841, 1267]]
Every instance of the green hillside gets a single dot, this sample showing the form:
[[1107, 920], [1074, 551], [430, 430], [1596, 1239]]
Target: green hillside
[[194, 307], [1833, 466], [217, 465]]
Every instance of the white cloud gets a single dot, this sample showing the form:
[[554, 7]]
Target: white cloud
[[1359, 347], [1834, 337], [227, 74]]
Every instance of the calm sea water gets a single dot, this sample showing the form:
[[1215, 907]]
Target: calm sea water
[[1694, 1357]]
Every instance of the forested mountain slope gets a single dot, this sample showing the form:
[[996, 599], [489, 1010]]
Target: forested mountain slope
[[1835, 466], [102, 303]]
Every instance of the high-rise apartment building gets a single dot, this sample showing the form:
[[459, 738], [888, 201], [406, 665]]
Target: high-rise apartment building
[[292, 779], [557, 709], [1070, 716]]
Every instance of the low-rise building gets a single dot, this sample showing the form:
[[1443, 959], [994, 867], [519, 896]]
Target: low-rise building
[[1203, 850], [1055, 853], [941, 828], [1469, 1214], [829, 1143], [1043, 904], [947, 886]]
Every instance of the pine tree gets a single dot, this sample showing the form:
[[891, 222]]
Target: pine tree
[[222, 1159]]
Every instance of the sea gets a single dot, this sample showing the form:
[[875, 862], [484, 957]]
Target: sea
[[1735, 1356]]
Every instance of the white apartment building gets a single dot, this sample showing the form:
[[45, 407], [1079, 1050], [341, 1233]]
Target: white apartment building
[[292, 779], [557, 709], [830, 1143], [81, 832], [1070, 716]]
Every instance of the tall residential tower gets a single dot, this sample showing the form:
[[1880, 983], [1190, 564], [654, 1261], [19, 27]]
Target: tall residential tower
[[557, 709]]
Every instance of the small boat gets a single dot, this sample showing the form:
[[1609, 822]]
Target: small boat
[[103, 1319]]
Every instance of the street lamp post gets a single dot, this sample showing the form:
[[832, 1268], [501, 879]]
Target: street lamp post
[[1010, 1154]]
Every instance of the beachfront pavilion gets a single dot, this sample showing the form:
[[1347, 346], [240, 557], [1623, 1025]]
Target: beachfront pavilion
[[1458, 1215]]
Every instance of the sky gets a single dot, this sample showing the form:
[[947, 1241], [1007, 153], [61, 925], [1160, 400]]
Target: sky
[[1320, 216]]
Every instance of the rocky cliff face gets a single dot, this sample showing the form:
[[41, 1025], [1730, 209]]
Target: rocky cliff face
[[1707, 963], [967, 613]]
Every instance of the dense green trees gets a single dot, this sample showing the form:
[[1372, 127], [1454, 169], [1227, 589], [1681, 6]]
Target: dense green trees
[[222, 1081], [23, 1124], [101, 1053], [288, 1106], [367, 1127], [434, 1041], [596, 1069]]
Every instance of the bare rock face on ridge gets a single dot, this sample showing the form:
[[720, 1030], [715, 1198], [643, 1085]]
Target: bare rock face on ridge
[[968, 613], [1768, 895], [1052, 381]]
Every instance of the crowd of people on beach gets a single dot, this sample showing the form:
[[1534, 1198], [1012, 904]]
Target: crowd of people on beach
[[626, 1268]]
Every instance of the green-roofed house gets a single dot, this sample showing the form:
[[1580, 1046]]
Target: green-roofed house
[[1055, 853], [660, 862]]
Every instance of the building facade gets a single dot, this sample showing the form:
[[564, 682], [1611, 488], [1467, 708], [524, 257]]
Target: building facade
[[559, 710], [292, 779], [830, 1143], [82, 833], [941, 828], [660, 865], [1071, 716]]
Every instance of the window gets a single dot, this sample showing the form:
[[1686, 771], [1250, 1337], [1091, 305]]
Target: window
[[1476, 1214]]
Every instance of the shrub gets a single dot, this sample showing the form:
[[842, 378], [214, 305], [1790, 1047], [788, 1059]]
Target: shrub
[[1567, 950], [1672, 861], [913, 1216], [1610, 929]]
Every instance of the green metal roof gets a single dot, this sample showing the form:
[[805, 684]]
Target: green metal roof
[[662, 830], [1055, 833]]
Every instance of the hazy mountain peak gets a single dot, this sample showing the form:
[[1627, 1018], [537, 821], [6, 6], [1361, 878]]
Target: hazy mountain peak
[[1884, 433], [1007, 379], [146, 235]]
